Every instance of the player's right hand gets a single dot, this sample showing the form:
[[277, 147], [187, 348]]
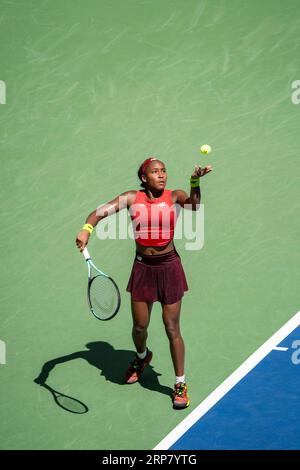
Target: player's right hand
[[82, 239]]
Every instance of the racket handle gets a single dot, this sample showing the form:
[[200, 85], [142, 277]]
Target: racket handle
[[86, 254]]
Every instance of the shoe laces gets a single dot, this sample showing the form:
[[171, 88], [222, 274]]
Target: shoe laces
[[180, 389]]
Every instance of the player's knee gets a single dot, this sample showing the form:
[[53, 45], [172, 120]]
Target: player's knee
[[172, 330], [139, 329]]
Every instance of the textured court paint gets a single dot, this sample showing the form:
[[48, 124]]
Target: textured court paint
[[92, 89]]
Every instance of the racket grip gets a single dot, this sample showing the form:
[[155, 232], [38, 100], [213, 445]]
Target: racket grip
[[86, 254]]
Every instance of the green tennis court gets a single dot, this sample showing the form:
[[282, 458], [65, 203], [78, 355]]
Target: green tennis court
[[91, 89]]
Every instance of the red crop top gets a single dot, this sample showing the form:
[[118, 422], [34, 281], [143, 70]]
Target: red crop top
[[153, 220]]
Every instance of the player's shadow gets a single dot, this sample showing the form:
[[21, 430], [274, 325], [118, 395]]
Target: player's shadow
[[111, 362]]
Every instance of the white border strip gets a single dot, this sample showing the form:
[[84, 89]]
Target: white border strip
[[229, 383]]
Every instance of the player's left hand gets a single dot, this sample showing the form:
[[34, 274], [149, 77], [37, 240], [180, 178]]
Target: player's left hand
[[198, 171]]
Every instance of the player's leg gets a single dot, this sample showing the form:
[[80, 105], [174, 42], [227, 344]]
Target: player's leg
[[141, 312], [171, 319]]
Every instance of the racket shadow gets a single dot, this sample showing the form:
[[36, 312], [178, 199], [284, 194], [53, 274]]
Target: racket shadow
[[70, 404], [112, 363]]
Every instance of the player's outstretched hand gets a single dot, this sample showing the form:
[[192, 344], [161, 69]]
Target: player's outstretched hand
[[198, 171]]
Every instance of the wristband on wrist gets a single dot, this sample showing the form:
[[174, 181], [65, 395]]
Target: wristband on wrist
[[88, 227], [194, 181]]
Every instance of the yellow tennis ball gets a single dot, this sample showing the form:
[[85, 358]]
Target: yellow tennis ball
[[205, 149]]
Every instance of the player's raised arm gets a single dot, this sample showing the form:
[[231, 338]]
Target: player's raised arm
[[112, 207], [192, 202]]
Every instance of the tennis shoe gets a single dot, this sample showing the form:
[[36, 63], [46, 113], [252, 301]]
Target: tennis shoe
[[136, 367], [180, 396]]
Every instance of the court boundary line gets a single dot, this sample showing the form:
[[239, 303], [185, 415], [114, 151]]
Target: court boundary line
[[229, 383]]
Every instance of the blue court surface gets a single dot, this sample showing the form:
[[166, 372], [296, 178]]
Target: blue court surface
[[256, 408]]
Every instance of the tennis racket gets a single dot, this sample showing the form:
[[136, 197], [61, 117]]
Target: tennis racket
[[102, 293]]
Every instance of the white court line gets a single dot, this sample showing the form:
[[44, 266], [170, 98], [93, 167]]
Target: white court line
[[229, 383], [279, 348]]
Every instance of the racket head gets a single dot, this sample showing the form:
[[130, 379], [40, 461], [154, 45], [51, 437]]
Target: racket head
[[104, 297]]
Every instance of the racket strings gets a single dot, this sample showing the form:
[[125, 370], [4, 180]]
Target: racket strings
[[104, 297]]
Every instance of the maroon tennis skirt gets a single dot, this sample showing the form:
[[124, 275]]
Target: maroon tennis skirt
[[157, 278]]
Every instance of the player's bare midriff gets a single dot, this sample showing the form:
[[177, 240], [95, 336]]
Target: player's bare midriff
[[154, 250]]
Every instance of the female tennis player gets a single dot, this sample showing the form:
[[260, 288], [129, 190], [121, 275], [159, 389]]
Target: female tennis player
[[157, 273]]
